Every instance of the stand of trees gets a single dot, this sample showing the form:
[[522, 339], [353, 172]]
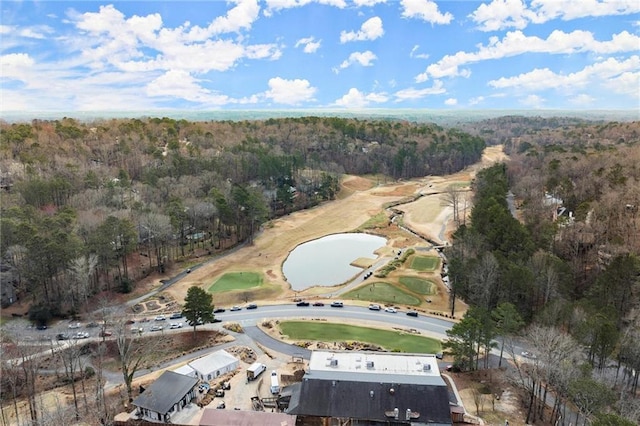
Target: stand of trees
[[567, 263], [102, 204]]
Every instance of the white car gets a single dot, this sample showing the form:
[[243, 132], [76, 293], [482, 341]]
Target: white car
[[236, 308], [390, 309], [374, 307], [81, 335], [74, 325], [156, 328], [175, 325], [160, 318], [527, 354]]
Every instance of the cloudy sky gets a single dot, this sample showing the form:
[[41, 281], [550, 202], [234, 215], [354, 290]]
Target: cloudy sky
[[319, 54]]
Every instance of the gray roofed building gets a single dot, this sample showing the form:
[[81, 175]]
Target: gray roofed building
[[170, 393], [214, 365], [372, 388]]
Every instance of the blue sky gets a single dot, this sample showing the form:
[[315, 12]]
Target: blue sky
[[319, 54]]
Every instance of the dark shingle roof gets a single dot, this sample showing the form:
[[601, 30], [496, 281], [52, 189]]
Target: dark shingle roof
[[168, 389], [371, 400]]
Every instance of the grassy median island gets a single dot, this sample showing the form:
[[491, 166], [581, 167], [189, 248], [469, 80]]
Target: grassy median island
[[236, 281], [391, 340]]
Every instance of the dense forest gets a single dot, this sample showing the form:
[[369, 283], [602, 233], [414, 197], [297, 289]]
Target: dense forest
[[562, 270], [80, 198]]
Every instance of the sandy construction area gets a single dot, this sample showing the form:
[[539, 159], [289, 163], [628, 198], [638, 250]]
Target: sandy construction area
[[360, 199]]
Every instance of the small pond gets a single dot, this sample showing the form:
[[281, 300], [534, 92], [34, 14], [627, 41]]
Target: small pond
[[326, 261]]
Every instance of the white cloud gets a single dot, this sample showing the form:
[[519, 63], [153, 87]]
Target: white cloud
[[15, 65], [451, 102], [582, 100], [606, 72], [361, 3], [277, 5], [425, 10], [532, 101], [476, 100], [414, 54], [363, 58], [411, 93], [290, 92], [356, 99], [178, 84], [371, 29], [503, 14], [142, 43], [627, 83], [310, 44], [263, 51], [516, 43]]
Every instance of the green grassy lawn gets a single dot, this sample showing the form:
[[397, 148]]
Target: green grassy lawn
[[425, 263], [382, 293], [418, 285], [332, 332], [236, 281]]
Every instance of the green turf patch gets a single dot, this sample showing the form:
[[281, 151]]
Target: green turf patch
[[378, 221], [236, 281], [382, 293], [425, 263], [331, 332], [418, 285]]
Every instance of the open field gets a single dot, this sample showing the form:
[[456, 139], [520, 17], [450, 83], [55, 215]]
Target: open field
[[381, 292], [424, 263]]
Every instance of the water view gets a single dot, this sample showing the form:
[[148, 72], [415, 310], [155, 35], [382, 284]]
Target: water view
[[326, 261]]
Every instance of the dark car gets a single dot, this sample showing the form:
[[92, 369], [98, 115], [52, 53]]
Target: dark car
[[219, 393], [42, 327], [337, 304], [218, 310], [176, 315], [412, 313], [318, 304], [62, 336], [302, 303], [252, 306]]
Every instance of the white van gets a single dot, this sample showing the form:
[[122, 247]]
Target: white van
[[275, 386]]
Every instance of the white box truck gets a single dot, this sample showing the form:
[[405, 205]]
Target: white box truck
[[275, 386], [255, 370]]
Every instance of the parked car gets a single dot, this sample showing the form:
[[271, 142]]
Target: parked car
[[160, 318], [41, 327], [156, 328], [302, 303], [92, 324], [390, 310], [74, 325], [318, 304], [236, 308], [226, 385], [220, 393], [176, 315], [174, 325], [374, 307], [412, 313], [337, 304], [62, 336], [221, 406], [252, 306], [137, 329], [528, 354], [81, 335], [218, 310]]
